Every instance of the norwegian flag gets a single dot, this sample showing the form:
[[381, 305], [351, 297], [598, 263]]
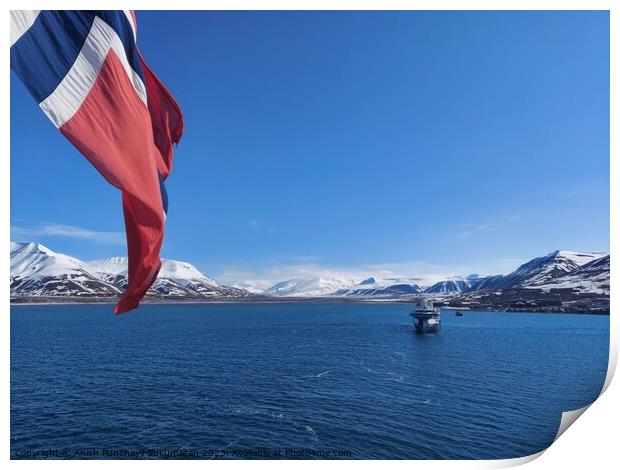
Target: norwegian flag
[[88, 76]]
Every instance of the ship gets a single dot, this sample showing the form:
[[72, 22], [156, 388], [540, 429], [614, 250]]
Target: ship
[[426, 317]]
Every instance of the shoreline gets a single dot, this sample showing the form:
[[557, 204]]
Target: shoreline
[[326, 300]]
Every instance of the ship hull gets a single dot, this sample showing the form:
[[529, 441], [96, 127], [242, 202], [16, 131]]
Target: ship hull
[[426, 324]]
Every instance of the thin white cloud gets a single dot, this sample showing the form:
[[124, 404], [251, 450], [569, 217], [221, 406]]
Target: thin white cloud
[[69, 231], [261, 226], [488, 227], [478, 229]]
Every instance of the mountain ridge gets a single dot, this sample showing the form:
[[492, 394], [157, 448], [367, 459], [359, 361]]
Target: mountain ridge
[[535, 274], [556, 278]]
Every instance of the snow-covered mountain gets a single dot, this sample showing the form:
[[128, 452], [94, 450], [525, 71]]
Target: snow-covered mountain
[[372, 287], [560, 268], [482, 283], [471, 283], [38, 271], [539, 272], [450, 287], [340, 287], [112, 270], [311, 287], [557, 269], [175, 279], [559, 282], [592, 277]]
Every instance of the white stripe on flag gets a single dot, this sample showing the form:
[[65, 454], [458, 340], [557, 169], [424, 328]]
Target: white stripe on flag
[[133, 26], [68, 96], [21, 21]]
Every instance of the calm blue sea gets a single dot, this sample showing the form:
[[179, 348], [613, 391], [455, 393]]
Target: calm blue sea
[[309, 380]]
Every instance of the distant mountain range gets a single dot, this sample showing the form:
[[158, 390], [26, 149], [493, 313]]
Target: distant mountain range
[[37, 271], [550, 282], [562, 281], [547, 270], [586, 272], [377, 288], [313, 287]]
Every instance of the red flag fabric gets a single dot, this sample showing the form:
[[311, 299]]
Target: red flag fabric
[[166, 117]]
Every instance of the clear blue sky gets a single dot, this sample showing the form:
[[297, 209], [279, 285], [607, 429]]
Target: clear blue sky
[[350, 141]]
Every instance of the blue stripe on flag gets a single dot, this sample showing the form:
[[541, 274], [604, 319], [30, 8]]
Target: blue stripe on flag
[[43, 55], [164, 195], [120, 23]]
